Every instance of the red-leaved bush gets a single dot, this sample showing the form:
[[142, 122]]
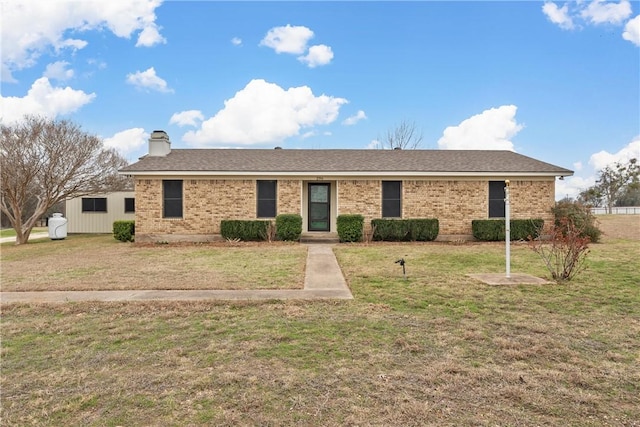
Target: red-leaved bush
[[563, 248]]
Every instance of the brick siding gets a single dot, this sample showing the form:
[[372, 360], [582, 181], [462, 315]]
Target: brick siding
[[455, 203]]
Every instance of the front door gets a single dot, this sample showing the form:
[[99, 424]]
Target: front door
[[319, 207]]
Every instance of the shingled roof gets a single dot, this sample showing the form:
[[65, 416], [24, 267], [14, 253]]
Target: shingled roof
[[338, 162]]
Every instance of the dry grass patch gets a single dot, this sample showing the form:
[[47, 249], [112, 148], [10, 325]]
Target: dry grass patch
[[90, 262], [438, 349]]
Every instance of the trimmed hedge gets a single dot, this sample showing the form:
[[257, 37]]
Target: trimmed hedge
[[245, 230], [350, 227], [405, 230], [124, 231], [288, 227], [492, 230]]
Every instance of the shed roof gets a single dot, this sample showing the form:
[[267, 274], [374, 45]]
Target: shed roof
[[337, 162]]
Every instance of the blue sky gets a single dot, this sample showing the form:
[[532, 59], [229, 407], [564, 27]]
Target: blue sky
[[558, 81]]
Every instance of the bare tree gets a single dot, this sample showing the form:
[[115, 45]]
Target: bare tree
[[43, 162], [404, 135]]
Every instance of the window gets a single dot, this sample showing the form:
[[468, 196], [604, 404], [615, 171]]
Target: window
[[94, 204], [391, 199], [172, 198], [266, 199], [496, 199], [129, 205]]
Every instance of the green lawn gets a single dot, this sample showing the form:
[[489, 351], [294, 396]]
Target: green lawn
[[436, 349]]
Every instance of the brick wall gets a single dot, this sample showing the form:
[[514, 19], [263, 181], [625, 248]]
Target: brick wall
[[206, 202], [289, 196], [362, 197], [455, 203]]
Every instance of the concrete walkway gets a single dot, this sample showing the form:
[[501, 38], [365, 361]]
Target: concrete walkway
[[32, 236], [323, 280]]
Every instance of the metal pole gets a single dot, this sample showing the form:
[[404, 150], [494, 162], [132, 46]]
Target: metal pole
[[507, 226]]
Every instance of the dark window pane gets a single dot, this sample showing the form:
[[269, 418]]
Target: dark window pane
[[266, 208], [172, 203], [391, 199], [92, 204], [266, 199], [496, 199], [172, 189], [496, 190], [87, 204], [391, 190], [173, 209], [267, 190], [391, 208], [129, 204], [101, 204]]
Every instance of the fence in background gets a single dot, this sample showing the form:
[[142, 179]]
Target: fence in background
[[628, 210]]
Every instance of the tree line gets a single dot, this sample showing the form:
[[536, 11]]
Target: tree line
[[617, 185]]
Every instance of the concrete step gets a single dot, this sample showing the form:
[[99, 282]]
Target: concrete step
[[319, 237]]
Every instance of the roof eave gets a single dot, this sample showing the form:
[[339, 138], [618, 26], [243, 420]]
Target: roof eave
[[316, 174]]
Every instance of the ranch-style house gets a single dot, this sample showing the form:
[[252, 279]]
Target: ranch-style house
[[184, 194]]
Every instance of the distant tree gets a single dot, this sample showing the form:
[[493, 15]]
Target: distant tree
[[614, 180], [630, 196], [591, 197], [404, 135], [43, 162]]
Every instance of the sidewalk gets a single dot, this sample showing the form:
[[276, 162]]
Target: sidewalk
[[323, 280], [32, 236]]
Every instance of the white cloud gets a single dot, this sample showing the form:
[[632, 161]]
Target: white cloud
[[236, 41], [150, 36], [58, 71], [317, 55], [360, 115], [600, 12], [148, 80], [287, 39], [262, 113], [558, 15], [571, 186], [43, 99], [31, 27], [603, 158], [594, 13], [632, 31], [127, 141], [187, 118], [490, 130], [309, 134], [586, 176]]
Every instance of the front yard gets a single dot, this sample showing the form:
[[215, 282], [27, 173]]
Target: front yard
[[436, 349]]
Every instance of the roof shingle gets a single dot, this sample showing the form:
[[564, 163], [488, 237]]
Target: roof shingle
[[404, 162]]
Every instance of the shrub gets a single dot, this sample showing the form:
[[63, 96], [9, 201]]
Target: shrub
[[288, 227], [565, 250], [492, 230], [580, 216], [350, 228], [403, 230], [245, 230], [124, 230]]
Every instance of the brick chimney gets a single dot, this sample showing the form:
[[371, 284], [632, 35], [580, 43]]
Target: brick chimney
[[159, 144]]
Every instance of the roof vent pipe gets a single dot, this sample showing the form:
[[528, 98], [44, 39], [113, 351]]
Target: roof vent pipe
[[159, 144]]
